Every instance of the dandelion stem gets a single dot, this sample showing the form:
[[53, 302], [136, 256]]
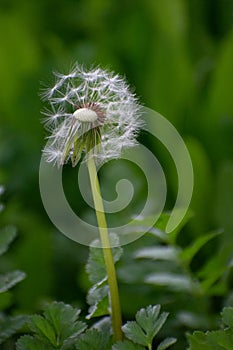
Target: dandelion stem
[[107, 251]]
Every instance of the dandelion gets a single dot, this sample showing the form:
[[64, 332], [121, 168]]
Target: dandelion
[[90, 111]]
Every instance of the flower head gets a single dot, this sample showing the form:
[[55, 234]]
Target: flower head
[[90, 111]]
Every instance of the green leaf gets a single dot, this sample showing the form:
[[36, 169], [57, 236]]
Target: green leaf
[[10, 325], [227, 316], [173, 281], [7, 235], [59, 325], [127, 345], [64, 319], [148, 324], [9, 279], [211, 272], [96, 265], [158, 253], [28, 342], [222, 338], [188, 253], [97, 298], [135, 333], [99, 308], [93, 340], [166, 343], [197, 341], [219, 340], [43, 329]]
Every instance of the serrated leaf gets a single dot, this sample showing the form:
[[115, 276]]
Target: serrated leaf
[[157, 253], [103, 325], [135, 333], [64, 319], [59, 325], [7, 235], [94, 340], [188, 253], [96, 265], [166, 343], [97, 292], [173, 281], [97, 298], [9, 279], [127, 345], [221, 338], [148, 324], [197, 341], [100, 308], [10, 325], [147, 317], [43, 329], [28, 342]]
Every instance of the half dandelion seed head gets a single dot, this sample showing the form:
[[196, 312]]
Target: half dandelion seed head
[[91, 110]]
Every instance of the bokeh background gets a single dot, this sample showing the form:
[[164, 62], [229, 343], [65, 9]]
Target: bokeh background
[[177, 56]]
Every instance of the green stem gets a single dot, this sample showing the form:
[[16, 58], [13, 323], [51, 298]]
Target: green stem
[[107, 251]]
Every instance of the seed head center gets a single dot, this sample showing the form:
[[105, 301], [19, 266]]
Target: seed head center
[[85, 115]]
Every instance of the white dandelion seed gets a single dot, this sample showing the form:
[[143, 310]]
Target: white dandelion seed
[[90, 111]]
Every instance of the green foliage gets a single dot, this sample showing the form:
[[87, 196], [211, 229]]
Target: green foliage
[[220, 340], [8, 280], [97, 296], [148, 323], [95, 266], [7, 235], [177, 274], [29, 342], [93, 339], [57, 328], [10, 325], [127, 345]]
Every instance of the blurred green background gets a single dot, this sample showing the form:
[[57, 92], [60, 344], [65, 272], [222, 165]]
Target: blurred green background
[[176, 54]]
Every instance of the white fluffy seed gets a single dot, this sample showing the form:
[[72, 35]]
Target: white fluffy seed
[[85, 115]]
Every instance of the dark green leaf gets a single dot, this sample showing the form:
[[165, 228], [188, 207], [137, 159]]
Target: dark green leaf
[[135, 333], [59, 325], [96, 265], [170, 280], [10, 325], [189, 252], [28, 342], [166, 343], [218, 340], [7, 235], [9, 279], [93, 340], [197, 341], [97, 298], [127, 345], [148, 324], [227, 316], [158, 253]]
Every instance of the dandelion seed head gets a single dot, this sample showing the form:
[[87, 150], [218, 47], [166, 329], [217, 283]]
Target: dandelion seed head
[[89, 108]]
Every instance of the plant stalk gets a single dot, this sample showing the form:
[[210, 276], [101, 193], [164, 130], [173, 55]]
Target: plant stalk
[[107, 251]]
